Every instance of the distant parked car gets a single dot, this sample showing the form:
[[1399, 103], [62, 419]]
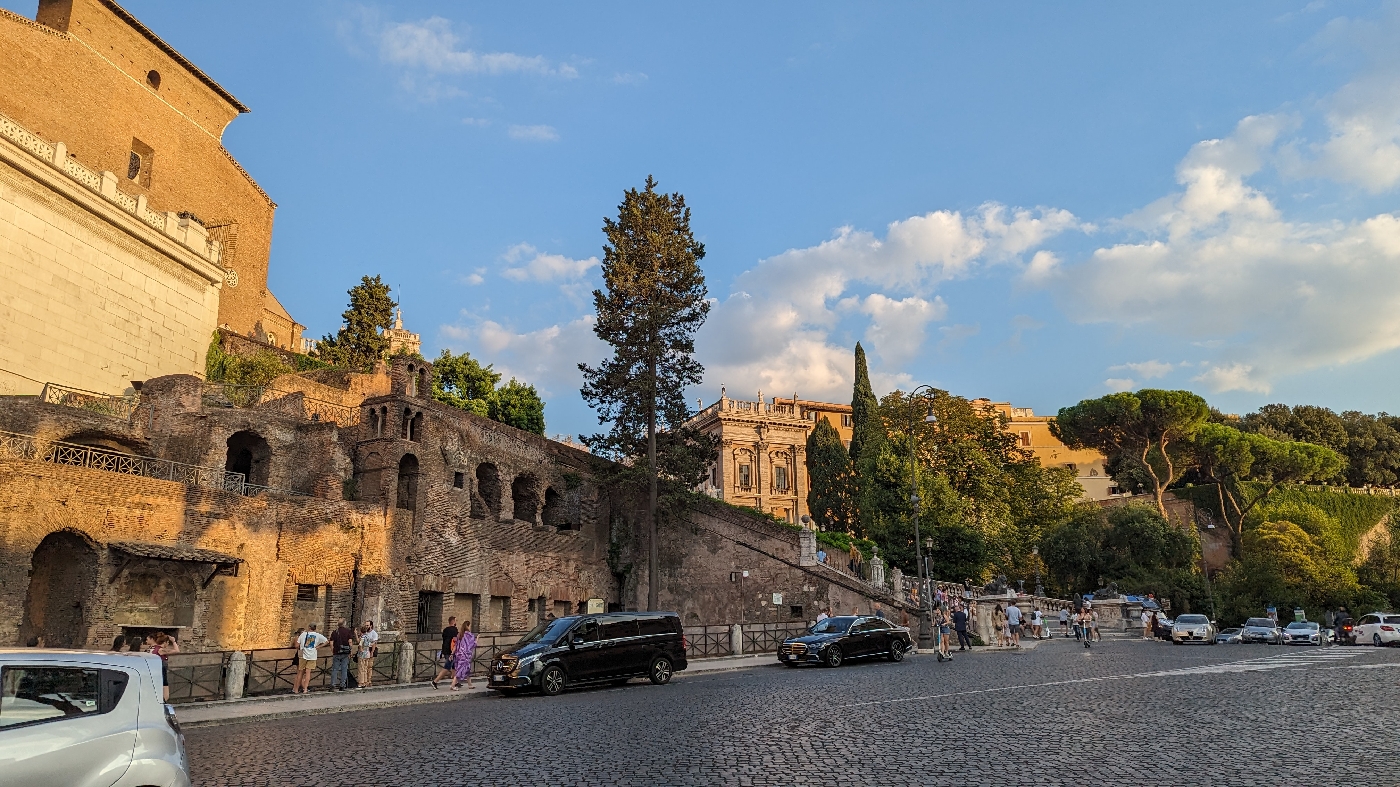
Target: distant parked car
[[1228, 637], [1377, 628], [72, 718], [1193, 628], [834, 640], [1264, 630], [1303, 632]]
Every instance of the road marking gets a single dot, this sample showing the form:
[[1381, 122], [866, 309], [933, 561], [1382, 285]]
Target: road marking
[[1280, 661]]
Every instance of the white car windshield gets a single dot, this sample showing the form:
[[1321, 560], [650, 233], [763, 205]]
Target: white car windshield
[[1193, 620], [1302, 626], [1259, 623]]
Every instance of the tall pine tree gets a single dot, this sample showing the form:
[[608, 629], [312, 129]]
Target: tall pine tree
[[652, 307], [868, 442], [359, 342], [828, 478]]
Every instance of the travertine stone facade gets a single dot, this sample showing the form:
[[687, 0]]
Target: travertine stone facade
[[762, 455], [98, 289], [88, 73]]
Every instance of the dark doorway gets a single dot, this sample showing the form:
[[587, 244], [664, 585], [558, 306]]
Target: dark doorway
[[249, 454], [525, 496], [553, 513], [486, 503], [407, 495], [62, 583], [429, 620]]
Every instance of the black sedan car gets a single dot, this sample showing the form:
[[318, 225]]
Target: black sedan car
[[834, 640]]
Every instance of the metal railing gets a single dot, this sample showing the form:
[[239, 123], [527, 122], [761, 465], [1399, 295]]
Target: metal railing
[[707, 641], [103, 404], [312, 409], [20, 446], [766, 637], [198, 677]]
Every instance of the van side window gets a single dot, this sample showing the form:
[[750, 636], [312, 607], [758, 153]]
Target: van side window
[[586, 631], [650, 626], [619, 628], [31, 695]]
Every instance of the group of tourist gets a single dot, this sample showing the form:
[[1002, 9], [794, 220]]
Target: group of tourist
[[362, 645], [162, 644]]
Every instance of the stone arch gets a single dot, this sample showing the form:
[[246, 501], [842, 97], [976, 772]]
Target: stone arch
[[525, 498], [116, 444], [249, 454], [553, 513], [406, 495], [423, 381], [62, 580], [486, 503]]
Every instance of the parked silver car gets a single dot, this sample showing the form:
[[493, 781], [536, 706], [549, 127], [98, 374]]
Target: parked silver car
[[1228, 636], [1303, 632], [71, 718], [1193, 628]]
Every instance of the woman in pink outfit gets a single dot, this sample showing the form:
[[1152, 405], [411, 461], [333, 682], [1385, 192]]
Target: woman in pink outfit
[[462, 656]]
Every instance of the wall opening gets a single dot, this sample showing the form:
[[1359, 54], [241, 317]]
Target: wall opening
[[406, 496], [153, 79], [525, 497], [553, 514], [249, 454], [459, 480], [429, 618], [412, 381], [486, 503], [61, 583]]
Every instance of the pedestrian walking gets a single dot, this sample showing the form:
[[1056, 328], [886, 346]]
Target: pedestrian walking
[[307, 643], [998, 624], [944, 630], [342, 647], [960, 626], [463, 651], [369, 647], [1146, 629], [1064, 622], [449, 642], [1152, 625], [824, 614], [1037, 623], [1094, 625], [119, 644], [1013, 624]]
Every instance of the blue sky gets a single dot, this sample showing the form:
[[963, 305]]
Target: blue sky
[[1031, 202]]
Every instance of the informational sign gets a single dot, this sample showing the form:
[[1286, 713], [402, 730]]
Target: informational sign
[[594, 606], [777, 598]]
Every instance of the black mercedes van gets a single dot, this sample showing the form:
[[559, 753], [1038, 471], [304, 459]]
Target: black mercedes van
[[582, 649]]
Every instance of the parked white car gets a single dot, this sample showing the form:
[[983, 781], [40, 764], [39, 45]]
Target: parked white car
[[1377, 628], [71, 718], [1193, 628]]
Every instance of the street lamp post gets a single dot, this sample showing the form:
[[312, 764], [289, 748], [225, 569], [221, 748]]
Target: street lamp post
[[1039, 591], [925, 602]]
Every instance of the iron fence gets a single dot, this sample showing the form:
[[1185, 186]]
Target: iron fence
[[104, 404], [766, 637], [707, 641], [198, 677], [20, 446]]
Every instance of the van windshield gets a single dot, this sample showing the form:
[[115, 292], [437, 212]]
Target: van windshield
[[547, 632]]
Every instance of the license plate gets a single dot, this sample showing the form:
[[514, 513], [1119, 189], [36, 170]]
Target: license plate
[[497, 678]]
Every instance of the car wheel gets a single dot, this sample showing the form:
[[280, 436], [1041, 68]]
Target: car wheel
[[661, 671], [552, 682], [897, 651], [833, 657], [1376, 640]]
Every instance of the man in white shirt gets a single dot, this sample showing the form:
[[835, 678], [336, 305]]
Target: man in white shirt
[[307, 643], [1146, 628], [369, 645], [822, 616], [1013, 620], [1064, 622]]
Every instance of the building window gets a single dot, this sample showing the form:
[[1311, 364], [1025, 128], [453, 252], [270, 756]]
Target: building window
[[1072, 467], [307, 592], [714, 476], [795, 610], [745, 476], [139, 162], [153, 79], [1026, 439], [846, 419], [459, 480], [780, 478]]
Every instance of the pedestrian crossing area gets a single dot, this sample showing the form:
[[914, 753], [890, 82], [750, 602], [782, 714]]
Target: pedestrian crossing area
[[1289, 659]]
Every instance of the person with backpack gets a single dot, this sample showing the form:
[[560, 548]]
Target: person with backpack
[[342, 645], [307, 643]]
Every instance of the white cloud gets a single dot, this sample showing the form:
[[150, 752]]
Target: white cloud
[[630, 78], [1119, 384], [1147, 370], [1043, 267], [1222, 265], [431, 45], [778, 329], [534, 133], [475, 277], [530, 264], [548, 357], [479, 122]]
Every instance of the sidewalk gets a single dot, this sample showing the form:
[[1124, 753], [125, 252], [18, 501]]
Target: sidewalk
[[278, 706]]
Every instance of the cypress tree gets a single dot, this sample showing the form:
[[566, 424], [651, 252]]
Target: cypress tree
[[359, 343], [828, 478], [868, 442]]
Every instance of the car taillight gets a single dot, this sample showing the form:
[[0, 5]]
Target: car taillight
[[1386, 628], [685, 642]]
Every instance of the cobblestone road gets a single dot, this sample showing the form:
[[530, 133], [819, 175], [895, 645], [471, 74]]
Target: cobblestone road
[[1124, 713]]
